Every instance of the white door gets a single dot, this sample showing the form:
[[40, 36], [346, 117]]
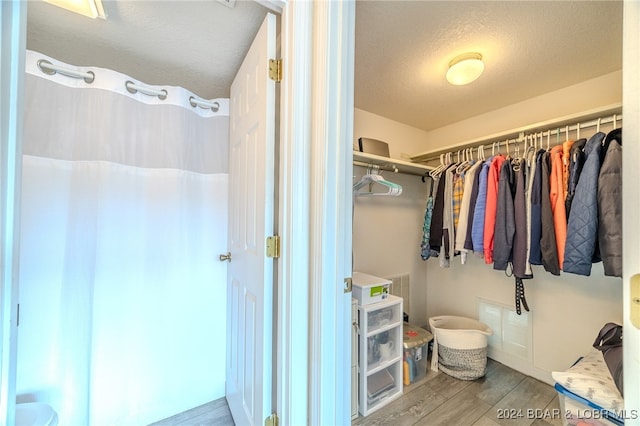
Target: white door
[[251, 220]]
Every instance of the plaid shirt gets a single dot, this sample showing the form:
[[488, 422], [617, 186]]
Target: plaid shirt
[[456, 203]]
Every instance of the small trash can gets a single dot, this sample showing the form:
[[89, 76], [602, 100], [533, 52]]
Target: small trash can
[[415, 342], [459, 346]]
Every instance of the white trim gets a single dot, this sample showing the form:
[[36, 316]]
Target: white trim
[[631, 204], [330, 207], [13, 19], [292, 382]]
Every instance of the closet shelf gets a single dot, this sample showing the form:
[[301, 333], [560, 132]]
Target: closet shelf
[[390, 164], [558, 123]]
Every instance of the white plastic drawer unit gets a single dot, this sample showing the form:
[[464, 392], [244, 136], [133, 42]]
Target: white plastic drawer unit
[[369, 289], [380, 351]]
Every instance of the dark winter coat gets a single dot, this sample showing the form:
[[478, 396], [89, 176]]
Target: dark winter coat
[[610, 205], [520, 214], [505, 220], [576, 162], [548, 246], [535, 255], [582, 229]]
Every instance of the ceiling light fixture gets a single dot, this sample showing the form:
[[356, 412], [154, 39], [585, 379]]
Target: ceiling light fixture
[[90, 8], [465, 68]]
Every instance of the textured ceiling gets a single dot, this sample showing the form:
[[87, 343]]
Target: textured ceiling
[[402, 48], [198, 45]]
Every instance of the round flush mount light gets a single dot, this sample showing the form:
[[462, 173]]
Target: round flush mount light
[[465, 68]]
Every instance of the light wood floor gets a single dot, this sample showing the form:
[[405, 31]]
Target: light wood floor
[[438, 399], [214, 413]]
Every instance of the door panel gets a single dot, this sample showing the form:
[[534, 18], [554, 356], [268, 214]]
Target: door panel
[[251, 220]]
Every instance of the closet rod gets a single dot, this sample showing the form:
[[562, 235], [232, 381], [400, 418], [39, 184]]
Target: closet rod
[[556, 126], [378, 166]]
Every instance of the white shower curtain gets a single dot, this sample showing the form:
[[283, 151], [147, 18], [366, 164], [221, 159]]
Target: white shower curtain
[[124, 211]]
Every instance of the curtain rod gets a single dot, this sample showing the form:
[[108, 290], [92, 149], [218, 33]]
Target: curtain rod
[[89, 76], [564, 125]]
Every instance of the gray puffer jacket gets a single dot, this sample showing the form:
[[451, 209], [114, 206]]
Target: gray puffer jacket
[[582, 229], [610, 205]]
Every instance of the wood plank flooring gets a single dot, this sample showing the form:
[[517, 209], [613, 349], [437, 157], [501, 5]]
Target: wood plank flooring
[[214, 413], [503, 397]]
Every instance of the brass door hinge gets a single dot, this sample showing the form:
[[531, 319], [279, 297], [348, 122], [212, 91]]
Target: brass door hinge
[[273, 246], [275, 70], [272, 420], [348, 285]]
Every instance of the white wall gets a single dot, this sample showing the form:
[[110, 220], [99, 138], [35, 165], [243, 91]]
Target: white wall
[[402, 139], [591, 94], [387, 230], [566, 311]]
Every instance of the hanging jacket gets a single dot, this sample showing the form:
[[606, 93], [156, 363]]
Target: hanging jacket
[[535, 254], [477, 228], [556, 197], [610, 205], [548, 247], [425, 248], [465, 207], [435, 236], [491, 206], [576, 162], [582, 229], [468, 242], [521, 269], [505, 221], [529, 173], [446, 249], [566, 150]]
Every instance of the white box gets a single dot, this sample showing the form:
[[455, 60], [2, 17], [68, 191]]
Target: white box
[[369, 289]]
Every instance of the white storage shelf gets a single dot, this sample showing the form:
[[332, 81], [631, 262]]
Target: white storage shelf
[[380, 349]]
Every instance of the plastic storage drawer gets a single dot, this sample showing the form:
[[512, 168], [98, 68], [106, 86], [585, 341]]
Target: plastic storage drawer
[[576, 410]]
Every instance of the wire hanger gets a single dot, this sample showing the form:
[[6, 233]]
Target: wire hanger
[[372, 178]]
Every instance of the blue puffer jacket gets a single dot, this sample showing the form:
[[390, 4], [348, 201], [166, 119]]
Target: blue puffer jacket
[[582, 230]]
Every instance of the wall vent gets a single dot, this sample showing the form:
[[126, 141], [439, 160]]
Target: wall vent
[[400, 288], [512, 333]]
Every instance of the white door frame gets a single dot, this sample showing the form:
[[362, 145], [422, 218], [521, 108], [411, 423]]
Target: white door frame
[[13, 21], [293, 222], [307, 393], [330, 208], [313, 379], [631, 203]]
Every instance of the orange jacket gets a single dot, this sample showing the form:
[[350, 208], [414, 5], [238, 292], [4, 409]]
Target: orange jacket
[[491, 207], [556, 196]]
